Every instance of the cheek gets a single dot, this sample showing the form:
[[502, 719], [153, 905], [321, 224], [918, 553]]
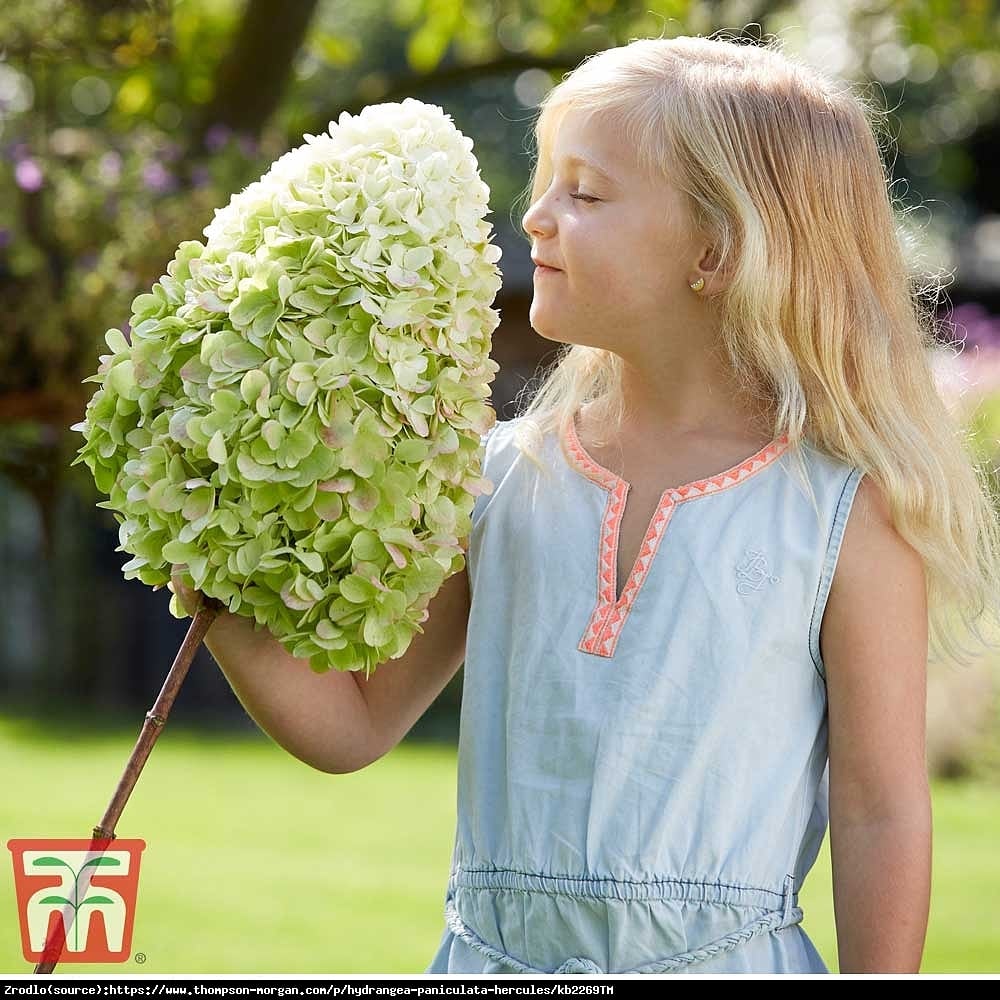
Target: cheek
[[627, 283], [653, 273]]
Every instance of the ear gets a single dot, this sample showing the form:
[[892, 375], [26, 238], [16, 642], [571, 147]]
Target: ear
[[717, 277]]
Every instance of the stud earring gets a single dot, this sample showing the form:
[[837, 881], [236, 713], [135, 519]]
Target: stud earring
[[698, 285]]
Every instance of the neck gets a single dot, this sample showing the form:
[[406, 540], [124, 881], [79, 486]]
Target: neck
[[698, 396]]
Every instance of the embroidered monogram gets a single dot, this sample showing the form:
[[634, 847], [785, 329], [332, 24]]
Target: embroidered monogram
[[611, 610], [752, 573]]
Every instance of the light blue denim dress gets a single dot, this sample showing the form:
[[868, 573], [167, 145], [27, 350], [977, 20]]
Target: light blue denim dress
[[642, 778]]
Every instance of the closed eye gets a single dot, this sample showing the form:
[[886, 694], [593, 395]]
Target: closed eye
[[584, 197]]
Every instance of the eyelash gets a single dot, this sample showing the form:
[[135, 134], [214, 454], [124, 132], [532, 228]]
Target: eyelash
[[584, 197]]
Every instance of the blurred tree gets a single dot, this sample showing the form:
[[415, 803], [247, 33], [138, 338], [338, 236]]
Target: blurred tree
[[254, 75]]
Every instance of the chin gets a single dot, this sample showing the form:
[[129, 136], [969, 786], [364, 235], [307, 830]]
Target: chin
[[546, 332], [564, 332], [555, 338]]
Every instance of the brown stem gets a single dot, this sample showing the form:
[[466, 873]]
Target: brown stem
[[156, 718]]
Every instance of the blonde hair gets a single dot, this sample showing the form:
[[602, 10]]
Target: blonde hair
[[780, 166]]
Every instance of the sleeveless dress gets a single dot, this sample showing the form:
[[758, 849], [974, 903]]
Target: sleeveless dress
[[643, 777]]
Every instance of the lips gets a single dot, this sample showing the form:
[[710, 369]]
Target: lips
[[541, 264], [541, 271]]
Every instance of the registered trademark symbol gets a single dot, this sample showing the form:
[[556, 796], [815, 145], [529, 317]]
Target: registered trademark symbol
[[140, 957]]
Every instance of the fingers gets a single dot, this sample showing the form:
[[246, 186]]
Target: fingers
[[189, 599]]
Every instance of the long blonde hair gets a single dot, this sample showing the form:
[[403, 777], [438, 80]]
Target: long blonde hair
[[781, 167]]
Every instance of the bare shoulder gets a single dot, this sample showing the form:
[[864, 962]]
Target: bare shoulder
[[874, 645], [879, 587], [874, 557]]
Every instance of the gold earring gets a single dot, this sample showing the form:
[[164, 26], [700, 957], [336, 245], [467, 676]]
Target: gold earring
[[698, 285]]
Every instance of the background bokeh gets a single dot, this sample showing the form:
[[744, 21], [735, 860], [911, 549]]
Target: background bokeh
[[123, 125]]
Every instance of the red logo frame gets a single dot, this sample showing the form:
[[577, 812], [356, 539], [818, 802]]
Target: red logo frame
[[76, 898]]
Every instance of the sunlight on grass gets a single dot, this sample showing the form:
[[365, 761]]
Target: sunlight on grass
[[255, 863]]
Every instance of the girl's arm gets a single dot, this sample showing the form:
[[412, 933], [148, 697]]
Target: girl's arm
[[337, 721], [874, 647]]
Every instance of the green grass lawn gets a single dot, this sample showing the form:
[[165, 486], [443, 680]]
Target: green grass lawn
[[255, 863]]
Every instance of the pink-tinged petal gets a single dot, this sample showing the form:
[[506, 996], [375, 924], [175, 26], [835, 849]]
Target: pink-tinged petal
[[329, 508], [478, 486], [211, 302], [342, 484], [339, 436], [293, 601], [397, 557], [419, 423], [376, 582], [189, 369], [365, 498]]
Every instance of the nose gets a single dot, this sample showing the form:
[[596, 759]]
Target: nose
[[537, 220]]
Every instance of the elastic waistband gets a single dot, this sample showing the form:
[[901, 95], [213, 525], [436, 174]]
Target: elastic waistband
[[782, 913], [600, 887]]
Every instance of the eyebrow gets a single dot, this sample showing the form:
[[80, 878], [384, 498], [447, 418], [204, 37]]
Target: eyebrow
[[583, 161]]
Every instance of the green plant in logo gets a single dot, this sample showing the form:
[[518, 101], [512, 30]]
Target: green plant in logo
[[76, 903]]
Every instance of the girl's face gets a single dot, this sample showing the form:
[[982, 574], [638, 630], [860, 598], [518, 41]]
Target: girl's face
[[623, 251]]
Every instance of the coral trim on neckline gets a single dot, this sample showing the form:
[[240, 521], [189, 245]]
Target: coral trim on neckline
[[611, 611]]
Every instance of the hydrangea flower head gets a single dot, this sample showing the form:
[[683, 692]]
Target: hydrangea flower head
[[298, 415]]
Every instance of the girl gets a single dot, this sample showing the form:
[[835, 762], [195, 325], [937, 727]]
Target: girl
[[694, 616]]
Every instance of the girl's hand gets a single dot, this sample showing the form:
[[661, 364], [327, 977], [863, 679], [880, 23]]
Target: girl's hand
[[190, 600]]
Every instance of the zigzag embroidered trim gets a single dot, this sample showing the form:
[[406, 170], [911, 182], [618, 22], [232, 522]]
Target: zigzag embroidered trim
[[610, 613]]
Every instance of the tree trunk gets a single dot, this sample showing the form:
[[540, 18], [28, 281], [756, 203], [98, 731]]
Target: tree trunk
[[252, 76]]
